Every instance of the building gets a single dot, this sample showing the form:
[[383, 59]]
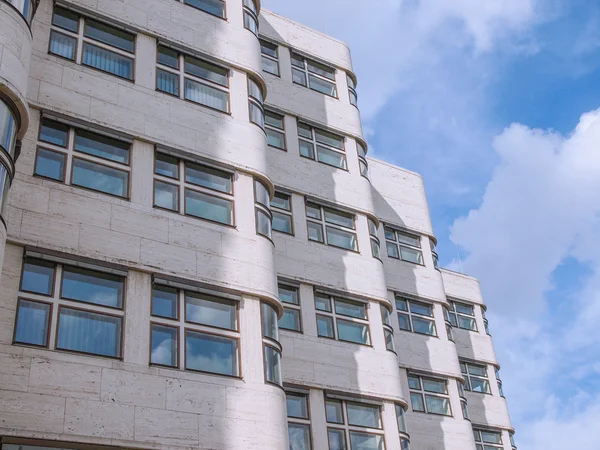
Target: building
[[177, 177]]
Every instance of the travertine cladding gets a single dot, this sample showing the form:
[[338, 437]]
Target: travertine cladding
[[490, 410], [15, 58], [61, 396], [2, 243], [462, 286]]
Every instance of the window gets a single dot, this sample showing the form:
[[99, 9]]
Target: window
[[342, 319], [512, 440], [404, 246], [353, 425], [270, 57], [375, 244], [25, 7], [499, 381], [487, 439], [462, 315], [4, 188], [485, 322], [89, 307], [476, 377], [251, 16], [281, 209], [429, 395], [415, 316], [388, 331], [275, 129], [402, 428], [193, 189], [436, 259], [290, 297], [192, 79], [8, 128], [272, 348], [314, 75], [352, 90], [262, 205], [362, 160], [331, 227], [463, 400], [448, 324], [214, 7], [298, 421], [330, 148], [206, 325], [255, 103], [83, 158], [92, 43]]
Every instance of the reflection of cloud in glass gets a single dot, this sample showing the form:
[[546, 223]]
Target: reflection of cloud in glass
[[211, 354], [161, 353], [207, 312], [299, 438]]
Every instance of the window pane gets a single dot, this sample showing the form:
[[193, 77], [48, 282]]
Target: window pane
[[206, 95], [417, 402], [477, 370], [320, 69], [208, 177], [263, 225], [392, 250], [401, 419], [208, 207], [325, 326], [290, 319], [215, 7], [337, 439], [437, 405], [298, 76], [299, 436], [436, 386], [102, 146], [270, 66], [339, 218], [390, 234], [322, 303], [479, 385], [54, 133], [333, 410], [256, 115], [262, 193], [62, 45], [274, 119], [327, 138], [109, 35], [389, 341], [465, 410], [92, 287], [100, 178], [164, 302], [63, 18], [468, 323], [282, 222], [50, 164], [410, 255], [269, 322], [322, 86], [352, 309], [401, 304], [330, 157], [364, 441], [305, 130], [307, 149], [385, 315], [250, 23], [32, 323], [89, 333], [273, 365], [315, 232], [353, 97], [212, 312], [164, 346], [464, 309], [414, 382], [275, 138], [268, 49], [166, 195], [214, 354], [491, 437], [297, 406], [408, 239], [404, 322], [254, 90], [343, 239], [168, 57], [167, 82], [375, 249], [363, 415], [421, 308], [38, 276], [353, 332], [206, 71], [167, 166], [107, 61], [288, 294]]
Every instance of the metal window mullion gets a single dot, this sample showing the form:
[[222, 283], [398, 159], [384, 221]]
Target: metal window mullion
[[168, 69], [80, 33], [101, 161], [207, 191], [181, 184], [205, 81], [53, 321], [181, 328], [181, 73], [70, 152], [108, 47]]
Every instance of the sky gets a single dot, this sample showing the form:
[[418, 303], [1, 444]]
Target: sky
[[497, 104]]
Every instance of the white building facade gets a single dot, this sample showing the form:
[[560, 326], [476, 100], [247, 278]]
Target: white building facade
[[197, 252]]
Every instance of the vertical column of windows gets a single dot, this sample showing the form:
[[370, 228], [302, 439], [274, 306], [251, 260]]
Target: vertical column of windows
[[436, 259], [499, 381], [402, 428], [463, 400], [8, 140], [352, 90], [448, 324], [362, 160]]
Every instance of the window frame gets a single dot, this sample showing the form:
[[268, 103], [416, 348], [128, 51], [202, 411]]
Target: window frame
[[223, 17], [387, 327], [452, 312], [316, 144], [345, 426], [362, 159], [81, 39], [289, 213], [324, 224], [399, 245], [270, 343], [410, 314], [373, 235], [481, 444], [301, 421], [259, 208], [264, 55], [308, 73], [464, 369], [424, 393], [335, 317], [291, 306], [258, 102], [434, 254], [275, 129], [251, 12], [352, 94], [404, 436]]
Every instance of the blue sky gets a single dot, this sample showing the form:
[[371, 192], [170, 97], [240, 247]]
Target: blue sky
[[496, 103]]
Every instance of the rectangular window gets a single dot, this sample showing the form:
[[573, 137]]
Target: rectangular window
[[298, 421], [270, 57], [192, 79], [476, 377], [281, 208], [487, 439], [214, 7], [462, 315], [404, 246], [322, 146], [83, 158], [362, 160], [341, 319], [194, 331], [352, 91], [353, 425], [375, 244], [262, 206], [314, 75], [251, 16], [429, 395], [192, 189], [292, 317], [415, 316], [78, 328], [331, 227], [91, 43], [255, 103], [275, 129]]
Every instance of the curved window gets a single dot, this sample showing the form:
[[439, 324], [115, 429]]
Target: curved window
[[251, 16], [255, 98], [362, 160], [404, 442], [8, 128], [272, 354], [352, 91], [436, 259], [4, 187], [262, 205], [25, 7], [388, 331], [375, 244]]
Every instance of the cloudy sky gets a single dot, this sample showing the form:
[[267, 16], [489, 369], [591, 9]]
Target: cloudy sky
[[496, 103]]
